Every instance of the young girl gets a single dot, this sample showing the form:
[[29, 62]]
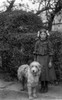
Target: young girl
[[43, 54]]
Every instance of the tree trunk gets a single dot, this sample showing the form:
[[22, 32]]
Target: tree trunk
[[52, 16], [50, 22]]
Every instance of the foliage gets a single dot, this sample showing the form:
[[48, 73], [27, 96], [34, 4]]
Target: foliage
[[20, 52], [13, 26], [19, 21], [56, 39]]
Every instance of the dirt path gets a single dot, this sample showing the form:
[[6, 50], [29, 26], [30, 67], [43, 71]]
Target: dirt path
[[15, 95], [11, 91]]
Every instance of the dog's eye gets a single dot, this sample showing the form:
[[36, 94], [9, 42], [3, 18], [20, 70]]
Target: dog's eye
[[36, 66], [31, 66]]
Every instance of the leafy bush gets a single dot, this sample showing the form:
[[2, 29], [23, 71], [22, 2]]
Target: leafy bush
[[19, 21], [56, 39], [12, 26], [20, 52]]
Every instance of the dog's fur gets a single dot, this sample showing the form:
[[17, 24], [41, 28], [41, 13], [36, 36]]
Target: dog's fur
[[22, 75], [31, 73]]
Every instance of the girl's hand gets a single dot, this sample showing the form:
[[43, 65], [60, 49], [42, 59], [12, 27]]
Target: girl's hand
[[50, 64]]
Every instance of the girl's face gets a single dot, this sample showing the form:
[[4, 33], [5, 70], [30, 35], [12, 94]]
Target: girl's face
[[43, 35]]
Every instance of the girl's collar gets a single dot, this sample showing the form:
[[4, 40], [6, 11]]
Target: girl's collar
[[43, 40]]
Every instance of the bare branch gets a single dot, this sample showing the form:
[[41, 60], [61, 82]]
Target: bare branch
[[40, 4], [9, 8], [43, 9], [8, 1]]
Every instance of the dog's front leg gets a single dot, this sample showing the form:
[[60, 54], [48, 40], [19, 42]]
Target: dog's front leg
[[30, 92], [34, 92], [23, 83]]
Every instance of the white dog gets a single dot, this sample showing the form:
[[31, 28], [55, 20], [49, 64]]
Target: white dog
[[31, 73]]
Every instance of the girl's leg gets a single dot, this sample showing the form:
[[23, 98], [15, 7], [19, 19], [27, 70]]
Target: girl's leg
[[42, 86], [46, 86]]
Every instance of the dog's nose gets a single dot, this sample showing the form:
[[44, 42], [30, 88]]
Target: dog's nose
[[33, 71]]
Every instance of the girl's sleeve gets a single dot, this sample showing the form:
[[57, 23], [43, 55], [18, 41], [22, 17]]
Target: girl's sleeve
[[51, 51]]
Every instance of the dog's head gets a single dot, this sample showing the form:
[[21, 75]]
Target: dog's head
[[35, 68]]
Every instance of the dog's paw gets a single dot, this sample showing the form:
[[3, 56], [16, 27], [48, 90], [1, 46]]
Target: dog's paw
[[34, 95], [30, 98]]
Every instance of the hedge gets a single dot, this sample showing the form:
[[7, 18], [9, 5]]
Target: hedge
[[21, 52]]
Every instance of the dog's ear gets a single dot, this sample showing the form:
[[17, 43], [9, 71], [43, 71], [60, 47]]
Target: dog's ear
[[39, 64], [40, 68], [30, 65]]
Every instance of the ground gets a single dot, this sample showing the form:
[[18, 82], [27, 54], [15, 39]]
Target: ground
[[11, 91]]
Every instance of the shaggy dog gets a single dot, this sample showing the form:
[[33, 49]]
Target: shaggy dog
[[31, 73]]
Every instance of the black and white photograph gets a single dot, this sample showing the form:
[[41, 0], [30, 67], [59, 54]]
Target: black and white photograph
[[30, 49]]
